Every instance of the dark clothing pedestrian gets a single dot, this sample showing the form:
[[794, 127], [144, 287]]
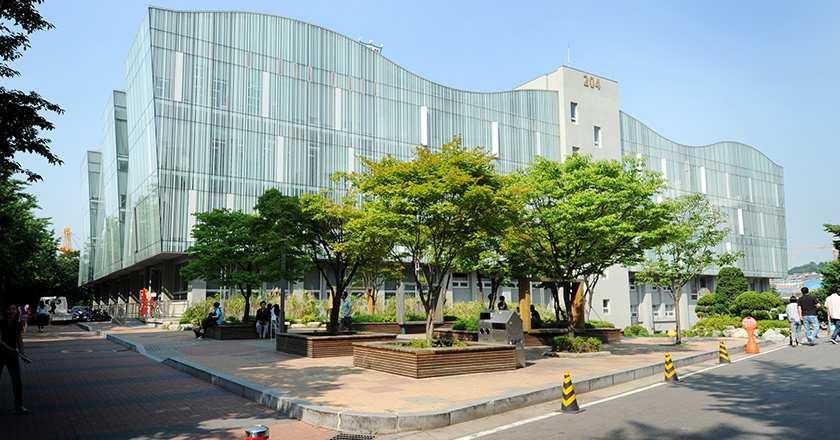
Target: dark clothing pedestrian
[[808, 304], [11, 348]]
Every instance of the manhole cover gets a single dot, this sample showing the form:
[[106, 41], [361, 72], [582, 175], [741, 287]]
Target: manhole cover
[[352, 437]]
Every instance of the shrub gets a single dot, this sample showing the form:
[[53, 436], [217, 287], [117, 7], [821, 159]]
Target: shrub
[[575, 345], [599, 324], [467, 324], [314, 318], [731, 282], [714, 304], [717, 322], [636, 330], [757, 305], [197, 311], [765, 325], [435, 343], [300, 304]]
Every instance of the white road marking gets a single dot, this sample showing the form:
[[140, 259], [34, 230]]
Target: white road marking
[[597, 402]]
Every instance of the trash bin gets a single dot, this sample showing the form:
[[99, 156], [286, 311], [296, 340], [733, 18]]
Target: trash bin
[[258, 432], [502, 327]]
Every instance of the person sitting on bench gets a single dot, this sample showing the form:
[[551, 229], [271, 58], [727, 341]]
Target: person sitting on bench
[[213, 319]]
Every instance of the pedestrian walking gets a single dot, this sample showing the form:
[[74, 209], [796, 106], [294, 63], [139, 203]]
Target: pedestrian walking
[[24, 317], [832, 306], [11, 347], [346, 322], [42, 318], [795, 320], [808, 310]]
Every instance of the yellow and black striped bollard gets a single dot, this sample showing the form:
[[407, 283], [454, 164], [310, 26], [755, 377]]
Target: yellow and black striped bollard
[[724, 356], [570, 404], [670, 371]]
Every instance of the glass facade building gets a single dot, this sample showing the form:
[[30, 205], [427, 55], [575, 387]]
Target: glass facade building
[[218, 107]]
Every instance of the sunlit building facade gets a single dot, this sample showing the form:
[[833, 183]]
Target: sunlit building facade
[[218, 107]]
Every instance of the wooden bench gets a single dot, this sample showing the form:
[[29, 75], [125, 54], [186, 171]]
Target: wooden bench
[[227, 332]]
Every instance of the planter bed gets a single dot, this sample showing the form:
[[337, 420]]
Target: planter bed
[[394, 328], [461, 335], [318, 345], [227, 331], [421, 363]]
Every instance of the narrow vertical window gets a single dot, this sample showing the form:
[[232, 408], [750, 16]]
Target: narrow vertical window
[[266, 95], [178, 79], [280, 158], [740, 221], [424, 125], [664, 165], [597, 137], [338, 109], [703, 180], [574, 112], [606, 306], [494, 138]]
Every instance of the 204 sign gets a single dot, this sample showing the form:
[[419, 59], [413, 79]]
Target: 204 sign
[[591, 82]]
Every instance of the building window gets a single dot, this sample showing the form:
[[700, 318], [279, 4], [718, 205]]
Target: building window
[[597, 137], [669, 310], [606, 306], [217, 157], [632, 284], [575, 150], [634, 310], [574, 113], [656, 308], [460, 280], [253, 98], [161, 87], [653, 288], [666, 288], [220, 93]]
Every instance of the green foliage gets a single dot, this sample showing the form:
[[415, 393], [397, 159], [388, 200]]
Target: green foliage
[[433, 206], [197, 311], [464, 309], [599, 324], [581, 216], [306, 319], [731, 282], [432, 343], [575, 345], [758, 305], [811, 267], [766, 324], [706, 326], [374, 318], [21, 112], [301, 303], [713, 304], [697, 227], [635, 330], [467, 324]]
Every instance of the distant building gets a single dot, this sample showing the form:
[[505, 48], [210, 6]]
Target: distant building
[[221, 106]]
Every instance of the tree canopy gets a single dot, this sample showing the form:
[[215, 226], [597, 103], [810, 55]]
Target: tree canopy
[[731, 282], [431, 208], [21, 120], [582, 216]]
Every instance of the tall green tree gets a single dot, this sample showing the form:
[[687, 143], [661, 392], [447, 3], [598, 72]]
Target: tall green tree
[[21, 120], [694, 234], [238, 250], [27, 245], [731, 282], [432, 207], [341, 241], [582, 216]]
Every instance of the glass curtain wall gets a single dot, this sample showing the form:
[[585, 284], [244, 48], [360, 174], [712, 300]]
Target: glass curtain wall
[[748, 185]]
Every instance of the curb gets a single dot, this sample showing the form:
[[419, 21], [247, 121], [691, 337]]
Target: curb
[[357, 422]]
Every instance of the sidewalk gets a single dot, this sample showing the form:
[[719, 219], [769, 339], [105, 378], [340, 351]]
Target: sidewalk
[[333, 394]]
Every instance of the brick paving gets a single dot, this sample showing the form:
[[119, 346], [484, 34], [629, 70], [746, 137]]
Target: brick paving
[[82, 386]]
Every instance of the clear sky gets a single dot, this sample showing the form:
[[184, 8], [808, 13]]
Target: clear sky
[[763, 73]]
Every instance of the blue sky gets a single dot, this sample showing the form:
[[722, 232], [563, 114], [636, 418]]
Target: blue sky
[[758, 72]]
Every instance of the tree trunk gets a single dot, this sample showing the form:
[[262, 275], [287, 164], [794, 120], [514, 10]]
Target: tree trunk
[[431, 306], [568, 300], [247, 296], [675, 293]]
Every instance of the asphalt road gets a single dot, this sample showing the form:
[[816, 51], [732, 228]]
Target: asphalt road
[[780, 393]]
